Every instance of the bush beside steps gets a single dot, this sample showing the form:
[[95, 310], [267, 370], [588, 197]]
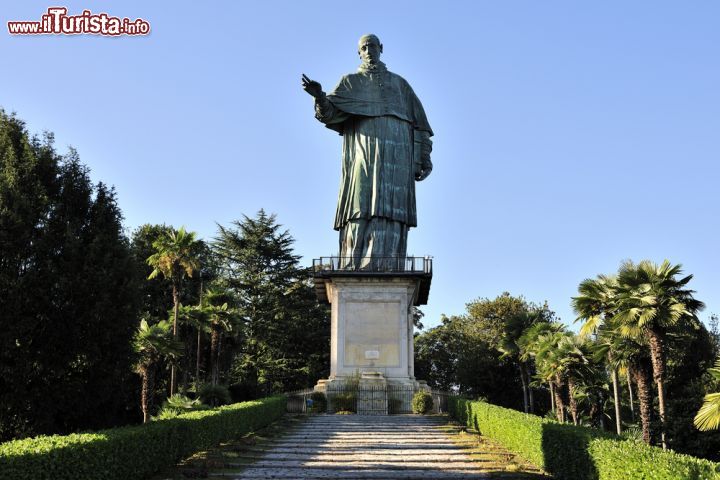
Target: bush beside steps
[[570, 452], [133, 452]]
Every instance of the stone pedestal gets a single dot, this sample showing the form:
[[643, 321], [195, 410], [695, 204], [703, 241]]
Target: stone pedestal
[[371, 326], [371, 338]]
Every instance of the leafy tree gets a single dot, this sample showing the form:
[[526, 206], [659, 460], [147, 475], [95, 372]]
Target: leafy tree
[[285, 332], [453, 357], [500, 323], [488, 317], [650, 300], [690, 354], [68, 303], [176, 255], [152, 343], [439, 352]]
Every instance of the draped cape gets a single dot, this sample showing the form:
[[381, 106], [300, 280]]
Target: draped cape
[[379, 116], [378, 94]]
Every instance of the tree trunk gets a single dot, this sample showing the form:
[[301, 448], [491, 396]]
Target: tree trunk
[[531, 396], [176, 304], [573, 401], [658, 364], [552, 396], [187, 367], [630, 392], [616, 398], [146, 392], [642, 379], [559, 401], [523, 381], [594, 413], [199, 336], [219, 354], [197, 360], [214, 352]]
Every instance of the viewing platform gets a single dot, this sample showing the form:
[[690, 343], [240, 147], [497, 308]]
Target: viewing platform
[[418, 268]]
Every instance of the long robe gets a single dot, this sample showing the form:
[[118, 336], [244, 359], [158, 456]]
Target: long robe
[[380, 119]]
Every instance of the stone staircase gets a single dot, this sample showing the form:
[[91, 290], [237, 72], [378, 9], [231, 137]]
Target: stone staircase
[[353, 447]]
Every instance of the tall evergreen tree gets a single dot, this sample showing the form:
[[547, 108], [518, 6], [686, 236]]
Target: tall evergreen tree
[[67, 292], [285, 331]]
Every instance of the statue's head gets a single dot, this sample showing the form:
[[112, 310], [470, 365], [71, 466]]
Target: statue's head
[[370, 48]]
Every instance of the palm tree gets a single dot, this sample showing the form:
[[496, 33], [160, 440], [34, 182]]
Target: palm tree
[[176, 255], [513, 329], [198, 317], [636, 357], [222, 319], [708, 417], [650, 300], [632, 356], [152, 343], [575, 365], [549, 360], [531, 342], [595, 305]]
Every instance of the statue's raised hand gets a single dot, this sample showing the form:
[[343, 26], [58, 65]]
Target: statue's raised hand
[[311, 86]]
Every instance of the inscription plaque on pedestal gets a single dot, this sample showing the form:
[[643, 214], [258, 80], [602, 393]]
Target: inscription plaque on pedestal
[[372, 337]]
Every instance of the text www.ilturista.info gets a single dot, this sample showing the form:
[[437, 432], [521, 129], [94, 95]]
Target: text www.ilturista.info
[[57, 22]]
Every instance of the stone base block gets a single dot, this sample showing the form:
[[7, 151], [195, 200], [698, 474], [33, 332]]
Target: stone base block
[[370, 394]]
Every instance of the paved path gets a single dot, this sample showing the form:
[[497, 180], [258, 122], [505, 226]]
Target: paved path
[[349, 447]]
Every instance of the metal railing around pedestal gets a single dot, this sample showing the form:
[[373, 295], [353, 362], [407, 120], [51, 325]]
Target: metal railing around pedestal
[[416, 265], [297, 401], [369, 399]]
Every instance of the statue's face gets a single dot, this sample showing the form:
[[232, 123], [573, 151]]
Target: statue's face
[[370, 50]]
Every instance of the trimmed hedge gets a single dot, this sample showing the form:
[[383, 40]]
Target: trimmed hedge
[[133, 452], [570, 452]]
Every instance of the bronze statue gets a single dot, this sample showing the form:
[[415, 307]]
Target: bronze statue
[[386, 148]]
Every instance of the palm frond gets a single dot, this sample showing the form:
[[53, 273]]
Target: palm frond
[[708, 417]]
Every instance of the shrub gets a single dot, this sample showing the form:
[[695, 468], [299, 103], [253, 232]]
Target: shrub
[[422, 402], [319, 402], [133, 452], [394, 405], [177, 405], [346, 402], [571, 452], [214, 395]]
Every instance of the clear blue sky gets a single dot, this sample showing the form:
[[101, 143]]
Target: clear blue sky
[[568, 135]]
